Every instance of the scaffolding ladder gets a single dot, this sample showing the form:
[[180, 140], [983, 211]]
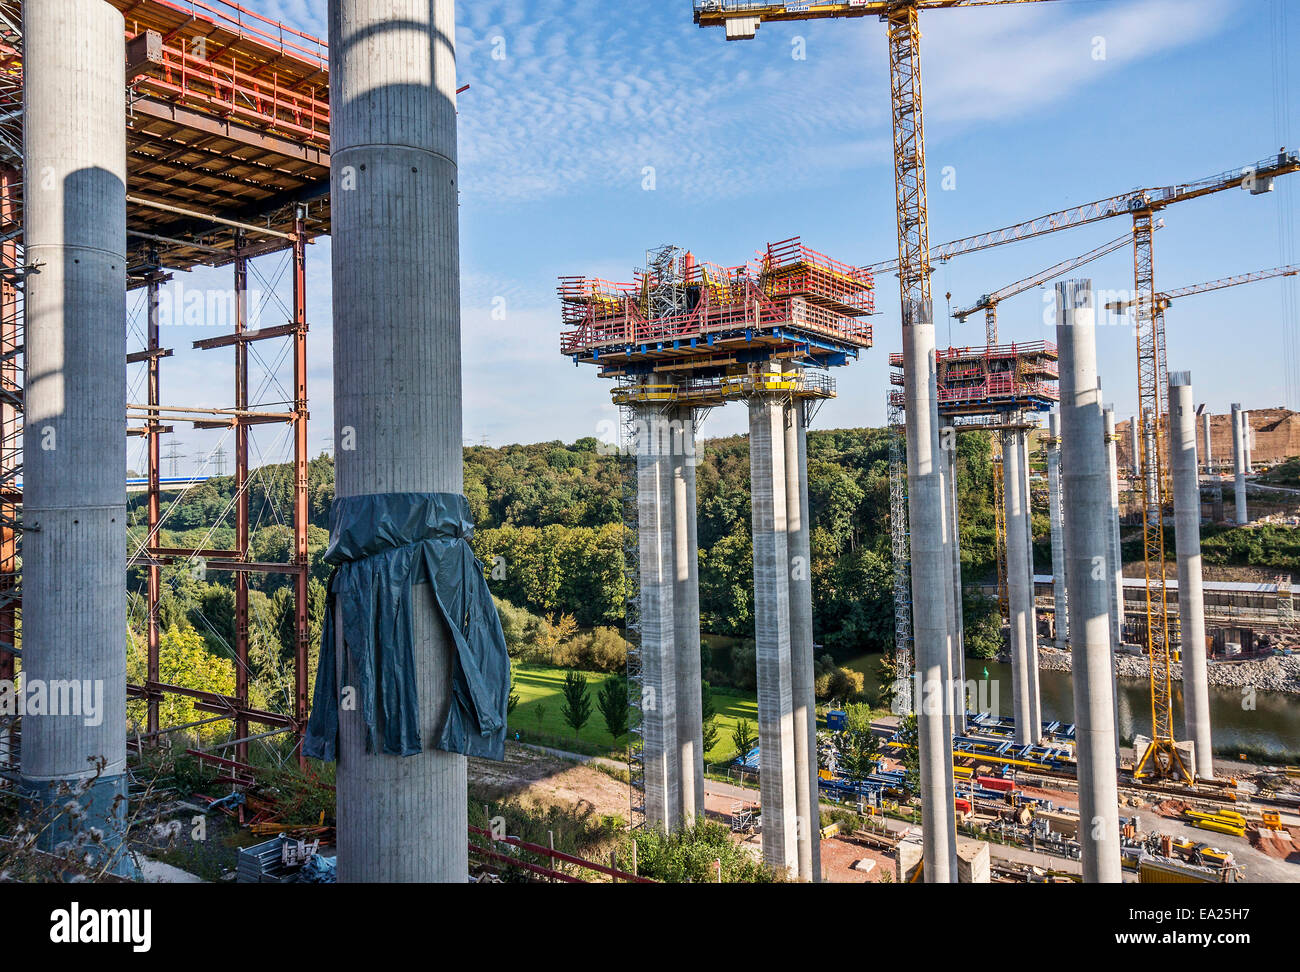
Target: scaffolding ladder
[[12, 268], [900, 546]]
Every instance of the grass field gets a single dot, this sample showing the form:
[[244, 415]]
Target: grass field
[[541, 699]]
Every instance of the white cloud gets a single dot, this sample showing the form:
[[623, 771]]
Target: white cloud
[[997, 64]]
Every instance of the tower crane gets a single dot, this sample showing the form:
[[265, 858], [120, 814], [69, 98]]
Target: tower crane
[[989, 302], [1167, 297], [741, 20]]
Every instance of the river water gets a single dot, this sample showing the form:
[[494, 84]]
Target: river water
[[1272, 726]]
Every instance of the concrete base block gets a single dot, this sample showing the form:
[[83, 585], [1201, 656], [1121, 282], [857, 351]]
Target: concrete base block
[[973, 862]]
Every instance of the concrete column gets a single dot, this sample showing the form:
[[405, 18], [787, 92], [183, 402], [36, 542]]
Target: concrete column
[[1083, 464], [1239, 467], [1059, 601], [1035, 697], [807, 805], [1208, 451], [74, 503], [1133, 442], [949, 615], [1187, 543], [397, 385], [1114, 561], [686, 603], [930, 575], [661, 753], [1019, 589], [777, 785], [1115, 564], [959, 624], [1247, 441]]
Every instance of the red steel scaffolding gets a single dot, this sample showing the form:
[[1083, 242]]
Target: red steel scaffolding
[[227, 161], [786, 293]]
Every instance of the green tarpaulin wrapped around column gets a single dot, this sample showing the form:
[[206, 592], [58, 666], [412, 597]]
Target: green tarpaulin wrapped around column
[[382, 547]]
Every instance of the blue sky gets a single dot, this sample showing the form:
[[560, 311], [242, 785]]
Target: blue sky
[[750, 144]]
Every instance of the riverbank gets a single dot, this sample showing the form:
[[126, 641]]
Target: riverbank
[[1272, 674]]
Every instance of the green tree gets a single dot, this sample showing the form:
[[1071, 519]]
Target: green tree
[[612, 700], [981, 624], [576, 707], [887, 673], [512, 700], [856, 751], [708, 712], [743, 738], [909, 736]]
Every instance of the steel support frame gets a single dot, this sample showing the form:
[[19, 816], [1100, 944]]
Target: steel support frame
[[11, 423], [237, 561], [1161, 759]]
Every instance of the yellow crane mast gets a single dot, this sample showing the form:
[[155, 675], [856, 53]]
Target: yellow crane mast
[[741, 20]]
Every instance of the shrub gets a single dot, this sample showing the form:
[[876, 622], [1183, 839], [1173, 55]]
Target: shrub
[[693, 856]]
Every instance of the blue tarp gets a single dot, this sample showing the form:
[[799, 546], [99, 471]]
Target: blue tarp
[[382, 546]]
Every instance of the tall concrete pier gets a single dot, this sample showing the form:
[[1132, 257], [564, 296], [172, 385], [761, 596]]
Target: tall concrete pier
[[397, 384], [1239, 467], [949, 615], [686, 605], [1247, 441], [1114, 559], [1207, 453], [1056, 518], [958, 620], [1035, 696], [801, 642], [1136, 451], [931, 577], [776, 730], [659, 620], [74, 455], [1020, 591], [1187, 542], [1084, 468]]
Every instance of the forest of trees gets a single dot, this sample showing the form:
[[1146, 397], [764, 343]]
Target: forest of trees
[[548, 530]]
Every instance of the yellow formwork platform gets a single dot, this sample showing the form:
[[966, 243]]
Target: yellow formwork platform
[[725, 389]]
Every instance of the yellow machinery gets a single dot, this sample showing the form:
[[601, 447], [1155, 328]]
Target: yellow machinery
[[1159, 870], [1220, 822]]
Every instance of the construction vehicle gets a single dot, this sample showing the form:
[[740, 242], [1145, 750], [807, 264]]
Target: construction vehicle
[[1165, 870]]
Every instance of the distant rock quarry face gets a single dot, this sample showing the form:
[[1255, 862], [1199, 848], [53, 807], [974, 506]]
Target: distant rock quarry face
[[1272, 674], [1277, 437]]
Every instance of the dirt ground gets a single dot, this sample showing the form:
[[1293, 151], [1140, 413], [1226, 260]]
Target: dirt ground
[[839, 855], [1173, 809], [543, 779], [1060, 798], [1281, 844]]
